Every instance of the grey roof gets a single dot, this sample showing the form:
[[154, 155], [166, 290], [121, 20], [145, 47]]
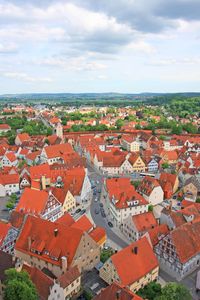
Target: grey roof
[[194, 180]]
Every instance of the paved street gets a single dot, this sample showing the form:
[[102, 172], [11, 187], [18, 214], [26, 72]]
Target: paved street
[[117, 242]]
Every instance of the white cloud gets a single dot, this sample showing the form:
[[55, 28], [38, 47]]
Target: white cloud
[[73, 64], [25, 77], [8, 48]]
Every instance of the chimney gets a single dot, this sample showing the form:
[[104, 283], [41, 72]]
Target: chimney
[[55, 232], [64, 263], [135, 250], [118, 294]]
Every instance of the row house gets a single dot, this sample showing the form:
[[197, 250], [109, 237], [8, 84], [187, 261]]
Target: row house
[[132, 267], [137, 163], [121, 200], [41, 244], [39, 203]]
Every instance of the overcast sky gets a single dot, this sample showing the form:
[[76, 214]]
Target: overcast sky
[[99, 46]]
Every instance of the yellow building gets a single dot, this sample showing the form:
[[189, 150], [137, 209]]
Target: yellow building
[[137, 163]]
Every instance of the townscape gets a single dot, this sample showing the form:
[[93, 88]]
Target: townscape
[[100, 201]]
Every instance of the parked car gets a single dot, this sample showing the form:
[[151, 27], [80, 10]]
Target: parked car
[[103, 214], [96, 211], [78, 211], [83, 211], [101, 204], [110, 224]]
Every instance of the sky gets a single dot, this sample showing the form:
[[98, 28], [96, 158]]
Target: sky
[[127, 46]]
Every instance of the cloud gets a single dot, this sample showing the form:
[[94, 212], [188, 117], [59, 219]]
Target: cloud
[[72, 64], [25, 77], [8, 48]]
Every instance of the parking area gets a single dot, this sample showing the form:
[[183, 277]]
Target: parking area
[[92, 282]]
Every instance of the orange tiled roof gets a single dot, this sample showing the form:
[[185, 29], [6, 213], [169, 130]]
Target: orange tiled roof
[[58, 150], [4, 228], [42, 236], [83, 223], [111, 291], [23, 137], [123, 192], [144, 222], [157, 233], [32, 201], [130, 266], [42, 282]]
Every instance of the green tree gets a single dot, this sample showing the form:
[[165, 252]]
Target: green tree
[[174, 291], [150, 207], [150, 291], [18, 286], [165, 165], [119, 123]]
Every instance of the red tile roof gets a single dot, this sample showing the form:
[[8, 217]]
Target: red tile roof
[[58, 150], [4, 228], [97, 234], [43, 238], [111, 292], [9, 179], [36, 172], [123, 192], [144, 222], [11, 156], [4, 127], [158, 233], [23, 137], [66, 220], [130, 266], [42, 282], [32, 201], [147, 185], [69, 276], [83, 223], [186, 240]]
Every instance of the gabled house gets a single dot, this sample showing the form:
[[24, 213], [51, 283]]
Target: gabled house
[[39, 203], [138, 165], [179, 251], [136, 226], [116, 291], [9, 184], [21, 138], [151, 190], [53, 154], [121, 200], [191, 188], [56, 247], [132, 267], [169, 183], [9, 160]]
